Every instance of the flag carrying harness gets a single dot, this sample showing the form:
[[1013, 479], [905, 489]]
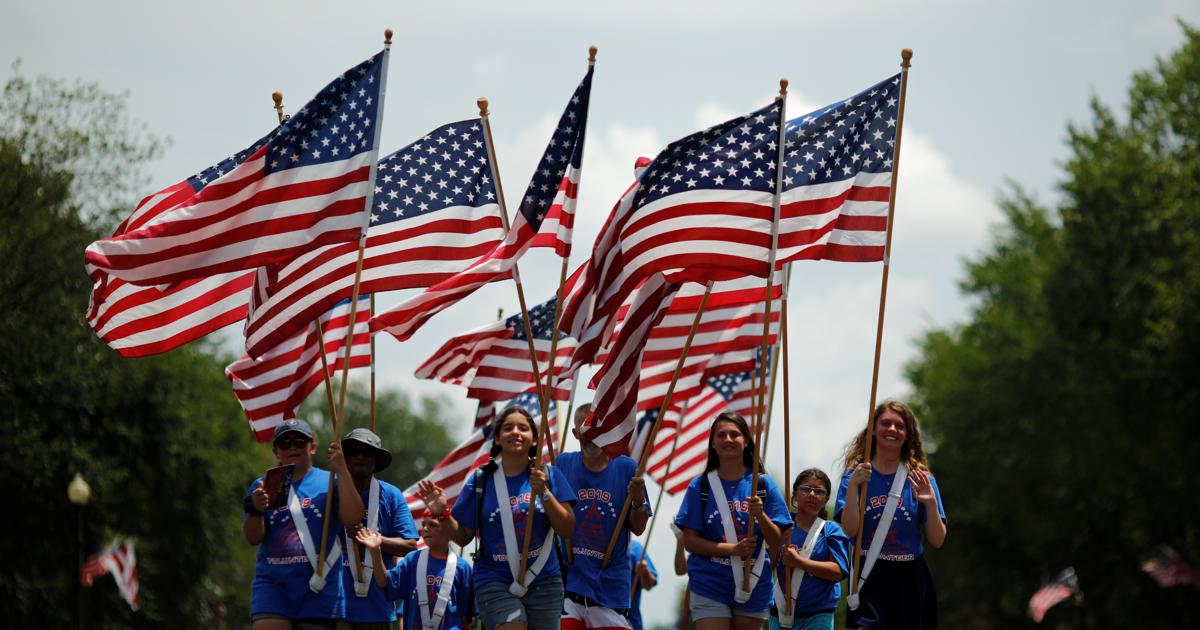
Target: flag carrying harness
[[363, 586], [317, 582], [742, 591], [810, 541], [431, 620]]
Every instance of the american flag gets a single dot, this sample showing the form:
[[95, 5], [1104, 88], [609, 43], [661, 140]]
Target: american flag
[[492, 362], [1169, 569], [434, 213], [733, 391], [1064, 586], [451, 473], [272, 387], [138, 321], [306, 186], [548, 206], [610, 425], [119, 561]]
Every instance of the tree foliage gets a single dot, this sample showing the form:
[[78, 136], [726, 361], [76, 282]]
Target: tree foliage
[[1066, 407], [161, 439]]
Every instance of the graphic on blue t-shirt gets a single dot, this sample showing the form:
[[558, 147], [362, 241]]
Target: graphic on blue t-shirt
[[492, 565], [712, 577], [395, 521], [903, 540], [599, 499], [402, 588], [283, 570]]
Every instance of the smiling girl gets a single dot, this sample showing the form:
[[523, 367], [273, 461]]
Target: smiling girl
[[817, 557], [903, 499]]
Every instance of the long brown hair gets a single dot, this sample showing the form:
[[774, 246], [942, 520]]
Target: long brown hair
[[912, 452], [497, 423], [744, 428]]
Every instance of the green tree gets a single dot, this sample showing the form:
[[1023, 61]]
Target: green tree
[[161, 440], [1066, 407]]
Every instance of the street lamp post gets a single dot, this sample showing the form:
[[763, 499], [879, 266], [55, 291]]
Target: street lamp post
[[79, 493]]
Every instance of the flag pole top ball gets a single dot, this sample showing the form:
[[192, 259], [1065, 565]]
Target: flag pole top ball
[[783, 83], [906, 56], [387, 37], [278, 98], [592, 54], [482, 102]]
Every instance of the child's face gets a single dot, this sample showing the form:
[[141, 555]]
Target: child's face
[[434, 534], [810, 496]]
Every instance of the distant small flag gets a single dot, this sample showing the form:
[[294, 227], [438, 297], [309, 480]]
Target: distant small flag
[[119, 561], [1169, 569], [1064, 586]]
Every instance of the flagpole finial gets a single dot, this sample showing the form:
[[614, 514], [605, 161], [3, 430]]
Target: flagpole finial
[[482, 102], [278, 98], [906, 58], [387, 37], [783, 85], [592, 55]]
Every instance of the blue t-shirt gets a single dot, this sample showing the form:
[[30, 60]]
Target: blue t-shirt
[[712, 577], [281, 576], [903, 540], [635, 606], [402, 588], [599, 497], [817, 595], [395, 521], [492, 565]]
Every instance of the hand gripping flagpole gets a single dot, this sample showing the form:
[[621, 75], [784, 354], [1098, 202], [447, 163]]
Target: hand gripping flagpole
[[766, 341], [367, 205], [552, 373], [662, 489], [537, 374], [644, 456], [905, 63]]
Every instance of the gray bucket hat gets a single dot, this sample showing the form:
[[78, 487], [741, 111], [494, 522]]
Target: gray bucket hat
[[383, 458]]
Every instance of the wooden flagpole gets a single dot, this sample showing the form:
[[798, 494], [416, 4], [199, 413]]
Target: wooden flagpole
[[570, 417], [372, 368], [766, 342], [552, 373], [369, 202], [789, 603], [644, 456], [905, 63], [662, 489], [537, 375]]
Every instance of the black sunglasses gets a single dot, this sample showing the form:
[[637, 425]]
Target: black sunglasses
[[296, 442]]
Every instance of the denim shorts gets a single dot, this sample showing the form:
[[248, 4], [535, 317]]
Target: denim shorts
[[703, 608], [540, 608]]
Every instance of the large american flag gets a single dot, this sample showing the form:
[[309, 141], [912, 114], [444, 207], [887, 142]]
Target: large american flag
[[734, 391], [451, 473], [272, 387], [492, 361], [308, 185], [435, 212], [547, 206]]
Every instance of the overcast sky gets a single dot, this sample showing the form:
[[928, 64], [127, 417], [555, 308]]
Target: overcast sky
[[992, 88]]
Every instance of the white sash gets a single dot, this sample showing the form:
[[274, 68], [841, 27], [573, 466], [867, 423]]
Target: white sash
[[885, 523], [741, 595], [432, 621], [317, 582], [788, 617], [511, 550], [361, 588]]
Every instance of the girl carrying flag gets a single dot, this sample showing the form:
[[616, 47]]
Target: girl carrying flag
[[817, 557]]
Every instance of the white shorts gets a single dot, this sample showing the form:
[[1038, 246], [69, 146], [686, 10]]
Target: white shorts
[[577, 616]]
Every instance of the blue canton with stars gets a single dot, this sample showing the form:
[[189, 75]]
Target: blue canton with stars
[[338, 123], [564, 149], [529, 402], [210, 174], [736, 155], [727, 384], [446, 167], [541, 321], [836, 142]]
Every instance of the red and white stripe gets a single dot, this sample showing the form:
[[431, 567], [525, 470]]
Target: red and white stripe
[[410, 253], [272, 387], [138, 321], [121, 563], [560, 219], [245, 219], [616, 394]]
